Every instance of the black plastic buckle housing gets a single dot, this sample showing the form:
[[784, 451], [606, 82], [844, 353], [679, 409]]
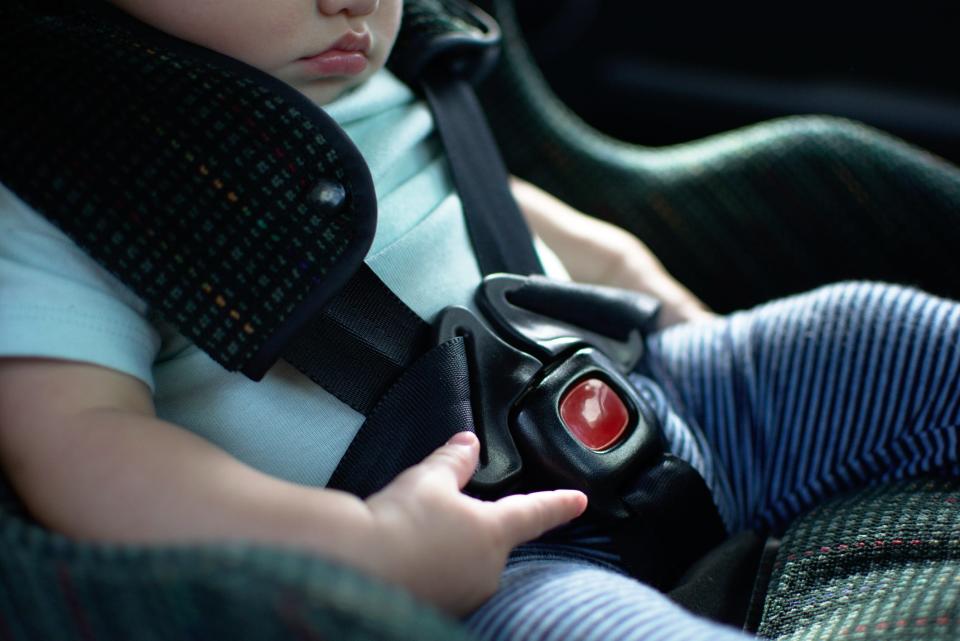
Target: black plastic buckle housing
[[559, 459], [499, 376], [519, 375]]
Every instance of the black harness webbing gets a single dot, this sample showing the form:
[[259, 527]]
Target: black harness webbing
[[498, 232], [366, 337], [361, 343]]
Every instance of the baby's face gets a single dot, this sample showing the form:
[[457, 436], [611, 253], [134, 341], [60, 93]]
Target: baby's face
[[321, 47]]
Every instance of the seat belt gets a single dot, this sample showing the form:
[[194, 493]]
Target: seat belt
[[501, 238], [361, 342], [367, 336]]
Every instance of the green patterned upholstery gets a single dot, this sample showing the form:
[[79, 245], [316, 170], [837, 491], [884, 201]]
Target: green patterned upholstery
[[745, 216], [52, 589], [882, 563]]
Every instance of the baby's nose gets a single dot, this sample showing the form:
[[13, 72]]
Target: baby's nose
[[350, 7]]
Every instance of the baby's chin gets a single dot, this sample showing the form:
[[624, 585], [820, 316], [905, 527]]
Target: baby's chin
[[322, 92]]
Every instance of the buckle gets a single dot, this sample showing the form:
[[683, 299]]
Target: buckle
[[551, 407], [499, 376], [556, 450]]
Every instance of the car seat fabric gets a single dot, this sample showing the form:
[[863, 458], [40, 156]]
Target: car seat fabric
[[776, 208], [53, 588], [882, 563]]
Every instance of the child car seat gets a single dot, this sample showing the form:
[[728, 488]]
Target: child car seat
[[58, 589]]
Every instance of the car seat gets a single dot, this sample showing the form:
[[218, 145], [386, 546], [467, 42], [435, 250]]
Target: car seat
[[777, 208]]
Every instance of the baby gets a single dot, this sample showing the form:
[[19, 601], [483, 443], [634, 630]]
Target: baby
[[125, 433], [125, 475]]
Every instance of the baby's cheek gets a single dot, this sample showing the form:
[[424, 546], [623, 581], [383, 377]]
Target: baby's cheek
[[261, 53]]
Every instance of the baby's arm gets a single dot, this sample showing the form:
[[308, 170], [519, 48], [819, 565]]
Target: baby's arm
[[83, 448], [594, 251]]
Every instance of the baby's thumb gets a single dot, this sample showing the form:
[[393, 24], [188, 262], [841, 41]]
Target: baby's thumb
[[456, 460]]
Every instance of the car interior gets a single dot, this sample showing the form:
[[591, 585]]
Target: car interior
[[632, 73], [640, 114]]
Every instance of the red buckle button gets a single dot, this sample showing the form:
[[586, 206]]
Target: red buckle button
[[594, 414]]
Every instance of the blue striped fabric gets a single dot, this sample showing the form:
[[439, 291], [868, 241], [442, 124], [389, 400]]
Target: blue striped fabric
[[778, 407], [817, 393]]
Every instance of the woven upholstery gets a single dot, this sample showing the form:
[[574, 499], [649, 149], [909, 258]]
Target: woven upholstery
[[773, 209], [52, 589], [882, 563], [223, 197]]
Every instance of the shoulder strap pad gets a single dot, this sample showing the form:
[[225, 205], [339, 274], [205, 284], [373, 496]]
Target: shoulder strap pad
[[221, 196]]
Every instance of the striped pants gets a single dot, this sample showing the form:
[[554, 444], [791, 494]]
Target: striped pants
[[778, 407]]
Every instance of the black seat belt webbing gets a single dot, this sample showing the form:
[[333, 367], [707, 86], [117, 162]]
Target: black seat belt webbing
[[361, 343], [499, 234], [366, 337], [428, 404], [372, 352]]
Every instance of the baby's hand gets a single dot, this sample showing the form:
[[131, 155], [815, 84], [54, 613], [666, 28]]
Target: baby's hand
[[446, 547]]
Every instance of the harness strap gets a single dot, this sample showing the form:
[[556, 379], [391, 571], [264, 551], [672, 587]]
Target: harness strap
[[446, 47], [366, 336], [361, 343], [499, 234], [429, 403], [363, 347]]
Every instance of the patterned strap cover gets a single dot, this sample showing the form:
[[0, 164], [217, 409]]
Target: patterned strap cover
[[221, 196], [224, 198]]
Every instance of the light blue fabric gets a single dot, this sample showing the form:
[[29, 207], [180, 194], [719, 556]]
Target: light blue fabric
[[55, 302]]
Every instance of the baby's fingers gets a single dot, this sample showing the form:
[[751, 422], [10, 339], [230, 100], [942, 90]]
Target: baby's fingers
[[450, 466], [526, 516]]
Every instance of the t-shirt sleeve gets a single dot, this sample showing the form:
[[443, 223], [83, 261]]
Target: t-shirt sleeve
[[55, 302]]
